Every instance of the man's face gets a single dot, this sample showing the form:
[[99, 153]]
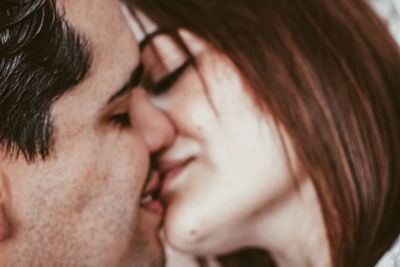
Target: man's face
[[80, 206]]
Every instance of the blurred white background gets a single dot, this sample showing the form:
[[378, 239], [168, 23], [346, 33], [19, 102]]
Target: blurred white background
[[390, 11]]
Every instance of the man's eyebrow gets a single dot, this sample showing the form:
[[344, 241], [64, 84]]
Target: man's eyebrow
[[131, 84], [149, 37]]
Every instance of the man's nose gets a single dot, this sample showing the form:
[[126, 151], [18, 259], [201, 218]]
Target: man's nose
[[157, 129]]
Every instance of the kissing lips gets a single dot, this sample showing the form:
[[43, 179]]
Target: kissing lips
[[168, 172], [157, 184], [150, 197]]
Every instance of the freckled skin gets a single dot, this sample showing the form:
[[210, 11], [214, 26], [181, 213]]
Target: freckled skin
[[80, 207]]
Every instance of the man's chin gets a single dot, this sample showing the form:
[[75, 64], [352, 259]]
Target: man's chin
[[148, 249]]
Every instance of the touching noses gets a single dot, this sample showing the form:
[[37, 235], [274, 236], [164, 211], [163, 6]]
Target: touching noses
[[157, 129]]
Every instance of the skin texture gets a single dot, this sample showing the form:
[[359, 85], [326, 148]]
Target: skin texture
[[238, 189], [219, 146], [80, 206]]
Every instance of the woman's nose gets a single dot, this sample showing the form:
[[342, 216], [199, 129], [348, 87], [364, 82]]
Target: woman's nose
[[157, 129]]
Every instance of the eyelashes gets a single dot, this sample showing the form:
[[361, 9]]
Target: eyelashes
[[165, 83], [121, 119]]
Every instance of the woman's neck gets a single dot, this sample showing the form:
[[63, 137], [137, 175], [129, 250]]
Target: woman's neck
[[293, 230]]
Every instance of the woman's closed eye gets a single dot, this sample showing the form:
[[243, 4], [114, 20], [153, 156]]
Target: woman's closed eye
[[164, 84]]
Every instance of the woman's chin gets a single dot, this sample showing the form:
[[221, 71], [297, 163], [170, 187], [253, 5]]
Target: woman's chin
[[182, 232], [193, 234]]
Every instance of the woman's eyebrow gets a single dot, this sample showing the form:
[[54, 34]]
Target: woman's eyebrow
[[149, 37], [167, 81]]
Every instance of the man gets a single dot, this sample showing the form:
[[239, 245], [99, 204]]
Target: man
[[72, 166]]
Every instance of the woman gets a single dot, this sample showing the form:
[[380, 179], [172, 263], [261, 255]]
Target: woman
[[286, 116]]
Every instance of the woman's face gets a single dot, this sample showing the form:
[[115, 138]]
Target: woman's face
[[226, 166]]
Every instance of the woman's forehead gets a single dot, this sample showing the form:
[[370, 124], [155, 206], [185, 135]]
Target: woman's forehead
[[141, 25]]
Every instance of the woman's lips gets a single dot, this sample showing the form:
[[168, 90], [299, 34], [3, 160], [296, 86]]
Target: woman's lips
[[168, 172], [157, 184]]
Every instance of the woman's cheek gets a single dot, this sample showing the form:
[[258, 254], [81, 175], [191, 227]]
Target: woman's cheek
[[196, 220], [183, 227]]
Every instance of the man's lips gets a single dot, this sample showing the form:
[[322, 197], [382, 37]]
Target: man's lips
[[150, 196]]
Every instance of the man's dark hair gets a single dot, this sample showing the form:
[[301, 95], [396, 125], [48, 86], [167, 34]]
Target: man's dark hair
[[41, 58]]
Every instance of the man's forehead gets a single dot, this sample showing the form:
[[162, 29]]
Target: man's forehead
[[101, 24], [115, 54], [93, 19]]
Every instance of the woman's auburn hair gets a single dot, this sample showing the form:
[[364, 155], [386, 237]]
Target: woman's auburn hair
[[329, 73]]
